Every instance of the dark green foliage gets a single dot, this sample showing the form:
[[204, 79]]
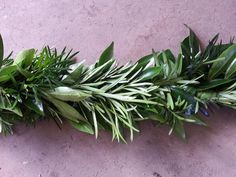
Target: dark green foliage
[[160, 87]]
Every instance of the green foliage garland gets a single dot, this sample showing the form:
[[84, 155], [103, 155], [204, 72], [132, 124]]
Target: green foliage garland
[[161, 87]]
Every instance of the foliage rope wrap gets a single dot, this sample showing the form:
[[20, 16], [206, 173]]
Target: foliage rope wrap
[[170, 90]]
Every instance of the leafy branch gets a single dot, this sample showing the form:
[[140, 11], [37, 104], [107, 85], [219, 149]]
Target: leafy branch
[[170, 90]]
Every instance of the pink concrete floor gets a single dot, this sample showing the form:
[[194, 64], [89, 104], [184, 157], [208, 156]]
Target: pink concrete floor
[[135, 27]]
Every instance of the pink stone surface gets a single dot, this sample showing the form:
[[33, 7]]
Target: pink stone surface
[[136, 27]]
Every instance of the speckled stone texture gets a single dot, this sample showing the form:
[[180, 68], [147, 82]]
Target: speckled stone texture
[[136, 27]]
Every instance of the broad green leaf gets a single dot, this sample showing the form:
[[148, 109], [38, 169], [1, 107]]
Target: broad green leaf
[[83, 127], [142, 62], [150, 73], [190, 46], [214, 83], [67, 110], [179, 129], [231, 71], [1, 51], [75, 75], [35, 106], [106, 55], [68, 94], [6, 72], [24, 58], [221, 66]]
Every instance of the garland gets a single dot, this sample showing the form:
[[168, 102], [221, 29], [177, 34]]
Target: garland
[[170, 90]]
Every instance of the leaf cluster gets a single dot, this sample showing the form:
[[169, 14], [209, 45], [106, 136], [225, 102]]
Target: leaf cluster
[[170, 90]]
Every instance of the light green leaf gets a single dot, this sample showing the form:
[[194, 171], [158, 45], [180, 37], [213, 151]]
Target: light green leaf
[[6, 72], [170, 102], [82, 126], [67, 110], [24, 58], [68, 94]]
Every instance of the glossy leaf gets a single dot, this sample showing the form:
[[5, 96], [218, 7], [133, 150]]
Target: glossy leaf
[[150, 73], [231, 71], [35, 106], [214, 83], [106, 55], [220, 67]]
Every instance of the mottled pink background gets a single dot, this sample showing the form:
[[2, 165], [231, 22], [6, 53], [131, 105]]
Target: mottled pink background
[[136, 27]]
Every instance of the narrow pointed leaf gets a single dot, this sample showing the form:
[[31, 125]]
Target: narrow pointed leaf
[[106, 55], [1, 51]]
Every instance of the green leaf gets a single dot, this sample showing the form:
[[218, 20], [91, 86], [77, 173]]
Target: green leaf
[[183, 94], [24, 72], [214, 83], [142, 62], [195, 119], [150, 73], [179, 129], [83, 127], [179, 64], [106, 55], [75, 75], [170, 102], [35, 106], [24, 58], [231, 71], [1, 51], [168, 55], [221, 66], [68, 94], [7, 105], [67, 110], [190, 46], [6, 72]]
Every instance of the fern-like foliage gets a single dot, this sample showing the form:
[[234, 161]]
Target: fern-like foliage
[[105, 96]]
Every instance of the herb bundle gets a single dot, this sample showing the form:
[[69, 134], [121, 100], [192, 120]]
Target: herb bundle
[[170, 90]]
